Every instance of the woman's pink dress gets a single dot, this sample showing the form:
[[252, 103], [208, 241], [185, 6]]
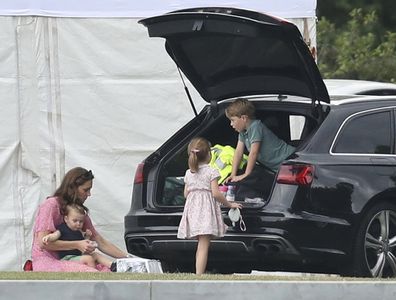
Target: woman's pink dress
[[202, 213], [48, 217]]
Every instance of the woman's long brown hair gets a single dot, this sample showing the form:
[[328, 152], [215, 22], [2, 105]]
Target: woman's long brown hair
[[67, 191]]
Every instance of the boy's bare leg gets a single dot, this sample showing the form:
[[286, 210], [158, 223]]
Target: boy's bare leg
[[88, 260], [101, 259]]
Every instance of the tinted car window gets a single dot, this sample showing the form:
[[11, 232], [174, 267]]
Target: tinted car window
[[366, 134]]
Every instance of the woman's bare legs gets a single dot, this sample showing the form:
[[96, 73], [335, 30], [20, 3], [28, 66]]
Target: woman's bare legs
[[201, 256]]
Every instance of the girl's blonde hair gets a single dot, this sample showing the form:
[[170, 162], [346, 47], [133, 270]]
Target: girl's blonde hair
[[198, 152]]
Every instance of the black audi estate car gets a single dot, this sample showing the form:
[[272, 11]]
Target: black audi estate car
[[332, 207]]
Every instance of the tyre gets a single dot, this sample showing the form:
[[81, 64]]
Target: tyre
[[375, 248]]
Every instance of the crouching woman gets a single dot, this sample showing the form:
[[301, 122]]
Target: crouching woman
[[75, 188]]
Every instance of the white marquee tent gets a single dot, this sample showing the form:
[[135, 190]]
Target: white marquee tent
[[81, 84]]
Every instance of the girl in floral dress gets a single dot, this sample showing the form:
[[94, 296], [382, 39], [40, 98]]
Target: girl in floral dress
[[202, 219]]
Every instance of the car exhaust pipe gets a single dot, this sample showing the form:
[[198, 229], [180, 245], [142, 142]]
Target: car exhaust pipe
[[261, 247], [268, 247], [138, 245]]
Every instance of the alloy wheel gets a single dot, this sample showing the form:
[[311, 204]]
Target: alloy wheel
[[380, 244]]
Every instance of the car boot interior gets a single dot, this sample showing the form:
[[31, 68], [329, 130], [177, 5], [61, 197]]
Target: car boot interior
[[290, 127]]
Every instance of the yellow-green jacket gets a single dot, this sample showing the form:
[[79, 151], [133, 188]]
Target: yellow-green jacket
[[222, 160]]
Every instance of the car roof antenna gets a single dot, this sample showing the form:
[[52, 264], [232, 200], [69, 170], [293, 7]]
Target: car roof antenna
[[187, 92]]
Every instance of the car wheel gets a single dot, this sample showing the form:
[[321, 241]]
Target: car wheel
[[375, 248]]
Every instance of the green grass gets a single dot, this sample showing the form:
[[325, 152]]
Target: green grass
[[165, 276]]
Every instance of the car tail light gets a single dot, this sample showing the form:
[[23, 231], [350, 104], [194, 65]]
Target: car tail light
[[295, 174], [139, 174]]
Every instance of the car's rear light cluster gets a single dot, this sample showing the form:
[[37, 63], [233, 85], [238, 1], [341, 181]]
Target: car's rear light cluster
[[300, 174], [139, 174]]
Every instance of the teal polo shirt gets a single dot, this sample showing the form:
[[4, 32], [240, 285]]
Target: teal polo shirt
[[273, 150]]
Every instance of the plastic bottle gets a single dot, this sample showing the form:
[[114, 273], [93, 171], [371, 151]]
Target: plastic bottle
[[230, 196], [223, 189]]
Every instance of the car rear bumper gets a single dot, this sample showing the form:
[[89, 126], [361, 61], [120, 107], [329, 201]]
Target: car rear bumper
[[160, 245], [279, 235]]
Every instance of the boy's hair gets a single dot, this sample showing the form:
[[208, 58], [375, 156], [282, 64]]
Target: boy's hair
[[240, 107], [198, 151]]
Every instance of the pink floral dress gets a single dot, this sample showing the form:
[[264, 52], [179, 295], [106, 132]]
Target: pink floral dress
[[48, 216], [202, 213]]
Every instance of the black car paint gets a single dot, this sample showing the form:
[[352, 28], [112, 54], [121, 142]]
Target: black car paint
[[268, 55], [305, 224], [316, 226]]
